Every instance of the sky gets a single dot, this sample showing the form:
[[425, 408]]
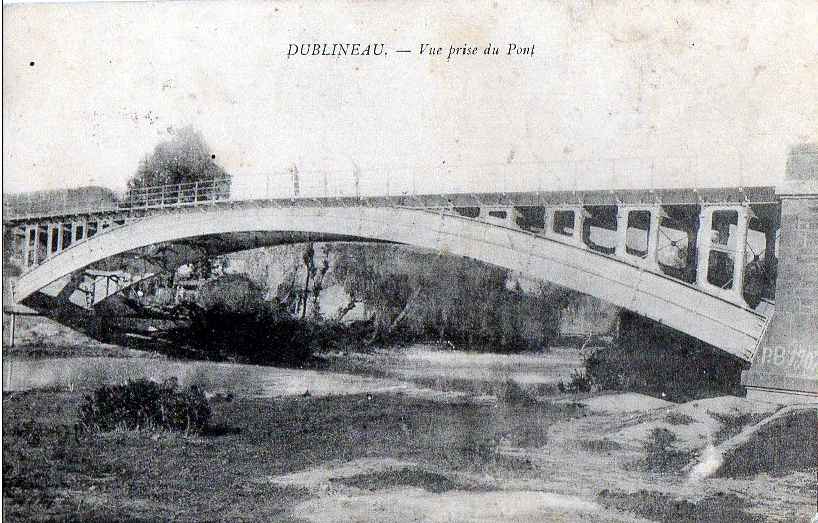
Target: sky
[[615, 94]]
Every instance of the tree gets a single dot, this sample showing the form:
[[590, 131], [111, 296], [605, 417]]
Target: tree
[[185, 158], [231, 294]]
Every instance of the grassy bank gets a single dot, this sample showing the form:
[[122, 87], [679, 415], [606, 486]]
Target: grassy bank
[[391, 457], [52, 467]]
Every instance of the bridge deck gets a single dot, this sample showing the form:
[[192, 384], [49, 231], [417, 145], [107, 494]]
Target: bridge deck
[[17, 209]]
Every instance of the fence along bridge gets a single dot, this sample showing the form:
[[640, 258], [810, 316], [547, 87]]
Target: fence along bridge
[[699, 260]]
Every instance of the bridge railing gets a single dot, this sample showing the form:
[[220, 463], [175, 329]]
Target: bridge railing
[[609, 174], [190, 193]]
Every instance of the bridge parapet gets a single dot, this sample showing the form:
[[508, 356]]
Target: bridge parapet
[[702, 237], [606, 181]]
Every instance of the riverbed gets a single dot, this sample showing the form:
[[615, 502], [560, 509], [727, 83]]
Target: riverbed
[[407, 370], [379, 436]]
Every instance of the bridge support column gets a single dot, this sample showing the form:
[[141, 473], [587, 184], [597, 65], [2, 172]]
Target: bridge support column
[[60, 237], [579, 224], [769, 242], [12, 326], [785, 366], [37, 233], [653, 238], [703, 241], [621, 231], [49, 241], [27, 247], [741, 250]]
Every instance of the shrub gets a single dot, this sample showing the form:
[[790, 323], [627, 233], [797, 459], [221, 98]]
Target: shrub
[[732, 425], [513, 394], [264, 337], [654, 359], [579, 382], [146, 404], [231, 294], [678, 418], [599, 445], [232, 320], [661, 453], [661, 507]]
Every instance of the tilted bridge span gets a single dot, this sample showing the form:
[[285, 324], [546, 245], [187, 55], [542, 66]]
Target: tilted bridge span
[[701, 261]]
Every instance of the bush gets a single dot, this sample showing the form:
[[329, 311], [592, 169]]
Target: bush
[[654, 359], [661, 454], [678, 418], [232, 294], [266, 336], [603, 445], [231, 320], [144, 404], [661, 507], [513, 394], [732, 425], [579, 382]]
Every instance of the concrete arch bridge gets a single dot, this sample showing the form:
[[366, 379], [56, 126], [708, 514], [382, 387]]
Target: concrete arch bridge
[[700, 261]]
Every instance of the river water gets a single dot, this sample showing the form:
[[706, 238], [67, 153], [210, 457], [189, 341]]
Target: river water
[[392, 371]]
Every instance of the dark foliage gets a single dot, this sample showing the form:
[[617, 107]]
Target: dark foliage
[[579, 382], [413, 296], [185, 158], [653, 359], [678, 418], [603, 445], [658, 506], [779, 446], [231, 294], [265, 336], [732, 425], [661, 453], [232, 321], [403, 477], [144, 404]]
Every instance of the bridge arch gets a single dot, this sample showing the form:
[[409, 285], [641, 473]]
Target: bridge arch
[[728, 326]]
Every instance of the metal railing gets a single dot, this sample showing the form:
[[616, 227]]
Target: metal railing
[[216, 189], [611, 174]]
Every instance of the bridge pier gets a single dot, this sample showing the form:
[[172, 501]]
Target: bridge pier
[[785, 368]]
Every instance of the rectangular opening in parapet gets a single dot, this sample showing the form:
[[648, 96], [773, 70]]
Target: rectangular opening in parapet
[[498, 214], [41, 250], [760, 262], [67, 231], [55, 236], [92, 228], [723, 228], [530, 219], [468, 212], [721, 263], [32, 245], [676, 244], [564, 222], [636, 238], [599, 228]]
